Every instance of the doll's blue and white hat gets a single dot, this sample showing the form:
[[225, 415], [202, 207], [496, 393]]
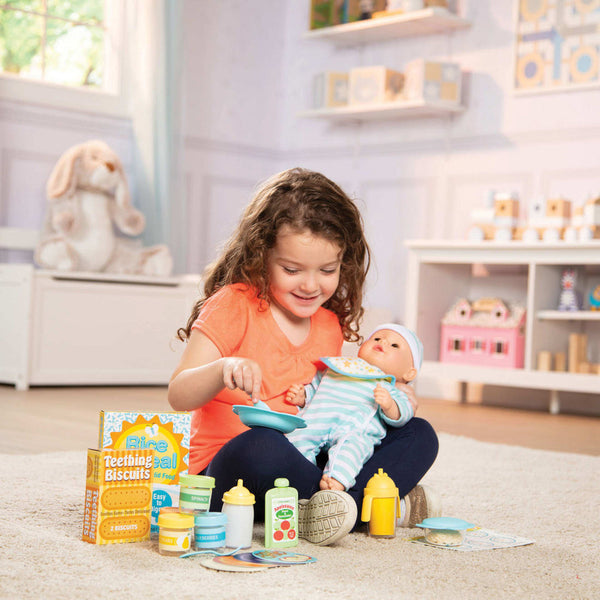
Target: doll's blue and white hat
[[414, 343]]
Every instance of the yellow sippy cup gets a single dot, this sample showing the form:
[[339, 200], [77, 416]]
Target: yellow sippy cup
[[381, 504]]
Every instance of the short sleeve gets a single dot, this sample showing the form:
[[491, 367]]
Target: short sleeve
[[224, 319]]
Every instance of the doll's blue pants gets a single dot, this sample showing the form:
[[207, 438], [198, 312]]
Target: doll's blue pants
[[261, 455]]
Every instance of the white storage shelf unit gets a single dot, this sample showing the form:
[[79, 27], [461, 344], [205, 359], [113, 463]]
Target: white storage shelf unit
[[442, 272], [61, 328]]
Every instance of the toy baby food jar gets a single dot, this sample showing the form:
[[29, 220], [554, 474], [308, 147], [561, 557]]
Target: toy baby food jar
[[210, 531], [445, 531], [175, 532], [195, 492]]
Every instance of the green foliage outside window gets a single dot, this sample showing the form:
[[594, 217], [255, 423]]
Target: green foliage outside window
[[60, 41]]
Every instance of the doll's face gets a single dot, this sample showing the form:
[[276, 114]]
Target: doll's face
[[389, 351]]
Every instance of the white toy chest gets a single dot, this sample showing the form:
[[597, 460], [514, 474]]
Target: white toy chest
[[59, 328]]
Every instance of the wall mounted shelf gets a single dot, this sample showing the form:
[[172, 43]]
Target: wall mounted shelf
[[388, 110], [419, 22]]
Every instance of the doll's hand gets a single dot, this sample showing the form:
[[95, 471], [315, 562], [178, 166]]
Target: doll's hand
[[244, 374], [296, 395], [410, 394], [384, 399]]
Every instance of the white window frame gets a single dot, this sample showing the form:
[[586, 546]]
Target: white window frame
[[112, 101]]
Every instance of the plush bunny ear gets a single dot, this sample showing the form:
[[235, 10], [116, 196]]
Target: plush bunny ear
[[62, 180], [122, 195]]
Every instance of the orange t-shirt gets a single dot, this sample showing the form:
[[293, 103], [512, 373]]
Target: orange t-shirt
[[239, 324]]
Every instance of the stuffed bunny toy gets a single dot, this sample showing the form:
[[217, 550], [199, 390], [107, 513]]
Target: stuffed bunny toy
[[89, 205]]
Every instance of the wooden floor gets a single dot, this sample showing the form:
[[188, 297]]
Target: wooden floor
[[55, 419]]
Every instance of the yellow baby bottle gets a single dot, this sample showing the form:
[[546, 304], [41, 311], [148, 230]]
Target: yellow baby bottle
[[381, 504]]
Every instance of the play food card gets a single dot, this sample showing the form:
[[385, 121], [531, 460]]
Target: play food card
[[256, 561], [167, 433], [118, 496]]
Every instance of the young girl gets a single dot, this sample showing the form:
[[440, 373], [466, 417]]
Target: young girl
[[286, 291]]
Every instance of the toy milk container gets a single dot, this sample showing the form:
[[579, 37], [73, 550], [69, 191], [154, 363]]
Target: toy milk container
[[281, 515], [238, 505], [381, 505]]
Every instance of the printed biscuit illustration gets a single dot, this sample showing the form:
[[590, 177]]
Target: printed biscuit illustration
[[126, 498], [130, 528]]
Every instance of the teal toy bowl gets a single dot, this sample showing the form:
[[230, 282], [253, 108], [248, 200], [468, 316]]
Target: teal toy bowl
[[251, 416]]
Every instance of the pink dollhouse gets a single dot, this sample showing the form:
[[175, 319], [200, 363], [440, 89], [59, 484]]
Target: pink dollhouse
[[487, 332]]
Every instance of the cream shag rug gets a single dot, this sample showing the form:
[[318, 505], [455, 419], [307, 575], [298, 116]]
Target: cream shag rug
[[549, 497]]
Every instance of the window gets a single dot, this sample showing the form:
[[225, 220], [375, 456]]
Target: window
[[477, 345], [456, 344], [56, 48], [499, 347]]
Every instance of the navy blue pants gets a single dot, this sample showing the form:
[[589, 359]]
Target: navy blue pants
[[261, 455]]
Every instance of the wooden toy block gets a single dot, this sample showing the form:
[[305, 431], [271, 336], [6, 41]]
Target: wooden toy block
[[560, 361], [558, 208], [374, 85], [433, 81], [577, 352], [544, 361], [499, 222], [330, 89], [506, 207]]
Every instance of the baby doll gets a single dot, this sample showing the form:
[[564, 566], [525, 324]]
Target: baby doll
[[348, 404]]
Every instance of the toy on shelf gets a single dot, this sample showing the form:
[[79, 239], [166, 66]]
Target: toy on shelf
[[594, 298], [330, 89], [585, 224], [325, 13], [548, 220], [498, 220], [570, 299], [578, 355], [547, 361], [433, 81], [486, 332], [374, 85]]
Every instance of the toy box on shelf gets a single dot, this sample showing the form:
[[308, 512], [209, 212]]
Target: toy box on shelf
[[374, 85], [433, 81], [330, 89], [487, 332], [167, 433]]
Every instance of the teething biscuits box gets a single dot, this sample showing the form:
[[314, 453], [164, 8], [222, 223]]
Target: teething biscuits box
[[167, 433], [118, 496]]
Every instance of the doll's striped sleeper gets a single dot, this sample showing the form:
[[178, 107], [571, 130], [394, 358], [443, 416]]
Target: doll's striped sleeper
[[343, 418]]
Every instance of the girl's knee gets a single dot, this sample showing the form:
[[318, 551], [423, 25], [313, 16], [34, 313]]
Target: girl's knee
[[426, 435]]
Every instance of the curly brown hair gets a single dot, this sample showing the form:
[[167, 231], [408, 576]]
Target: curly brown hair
[[302, 200]]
